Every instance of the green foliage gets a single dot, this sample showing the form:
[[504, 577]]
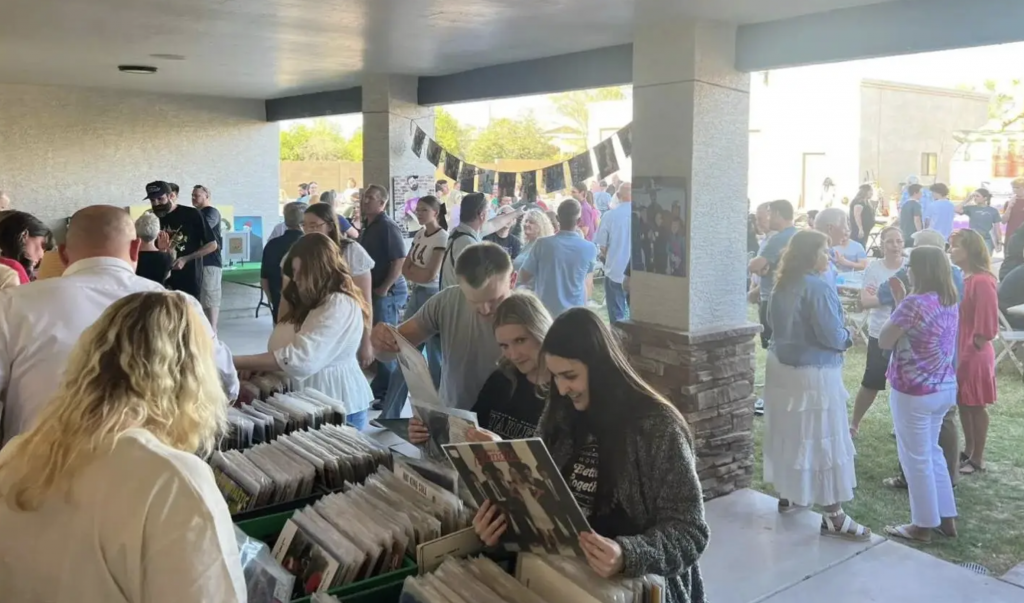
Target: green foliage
[[321, 141], [574, 107], [449, 133], [511, 139]]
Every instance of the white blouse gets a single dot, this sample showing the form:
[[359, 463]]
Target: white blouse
[[358, 260], [321, 354]]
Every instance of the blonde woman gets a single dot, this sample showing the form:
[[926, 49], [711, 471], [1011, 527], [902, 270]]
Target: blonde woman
[[509, 405], [536, 225], [104, 499], [808, 451]]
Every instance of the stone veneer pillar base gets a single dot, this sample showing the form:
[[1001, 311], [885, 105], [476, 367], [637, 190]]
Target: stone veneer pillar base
[[709, 376]]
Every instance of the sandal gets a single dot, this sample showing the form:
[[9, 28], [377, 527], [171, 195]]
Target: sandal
[[903, 532], [849, 530], [970, 468], [964, 458], [899, 482], [787, 506]]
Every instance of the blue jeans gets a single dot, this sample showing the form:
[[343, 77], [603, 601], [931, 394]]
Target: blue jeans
[[617, 301], [386, 309], [359, 420], [394, 402]]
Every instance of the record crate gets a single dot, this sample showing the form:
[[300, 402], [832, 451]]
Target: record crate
[[386, 588]]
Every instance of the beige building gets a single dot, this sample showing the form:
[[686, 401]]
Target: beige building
[[812, 124]]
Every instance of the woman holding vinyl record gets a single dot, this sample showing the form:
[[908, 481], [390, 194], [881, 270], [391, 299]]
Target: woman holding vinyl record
[[627, 456]]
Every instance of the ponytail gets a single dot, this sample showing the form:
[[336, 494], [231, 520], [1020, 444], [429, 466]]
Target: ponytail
[[442, 216]]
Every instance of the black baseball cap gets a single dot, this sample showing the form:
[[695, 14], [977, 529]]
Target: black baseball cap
[[157, 189]]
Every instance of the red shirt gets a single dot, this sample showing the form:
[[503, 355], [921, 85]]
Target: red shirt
[[1016, 217], [17, 267]]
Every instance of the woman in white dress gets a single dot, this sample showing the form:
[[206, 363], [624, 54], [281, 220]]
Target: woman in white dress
[[323, 319], [808, 451]]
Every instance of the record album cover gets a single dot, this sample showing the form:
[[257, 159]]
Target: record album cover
[[520, 477]]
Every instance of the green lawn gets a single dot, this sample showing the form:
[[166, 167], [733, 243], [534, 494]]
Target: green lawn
[[990, 506]]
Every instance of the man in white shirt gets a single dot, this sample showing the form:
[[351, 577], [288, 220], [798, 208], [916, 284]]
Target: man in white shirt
[[42, 321], [614, 239]]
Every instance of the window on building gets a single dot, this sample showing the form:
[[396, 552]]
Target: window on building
[[929, 164]]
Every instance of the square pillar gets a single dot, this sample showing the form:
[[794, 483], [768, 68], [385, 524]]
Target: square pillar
[[390, 117], [688, 332]]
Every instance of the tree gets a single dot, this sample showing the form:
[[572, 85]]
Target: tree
[[574, 107], [511, 139], [321, 141], [450, 134]]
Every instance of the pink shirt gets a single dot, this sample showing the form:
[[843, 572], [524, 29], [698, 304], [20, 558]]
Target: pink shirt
[[588, 219], [16, 266]]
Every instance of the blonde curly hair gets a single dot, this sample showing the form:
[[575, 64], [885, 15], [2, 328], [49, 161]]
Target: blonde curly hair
[[540, 218], [146, 363]]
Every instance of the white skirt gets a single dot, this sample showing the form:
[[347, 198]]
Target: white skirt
[[808, 451]]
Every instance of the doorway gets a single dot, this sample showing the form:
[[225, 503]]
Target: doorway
[[815, 171]]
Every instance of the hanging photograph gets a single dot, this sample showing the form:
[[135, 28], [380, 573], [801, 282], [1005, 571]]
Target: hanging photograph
[[405, 194], [418, 140], [487, 183], [466, 176], [507, 184], [451, 166], [529, 188], [554, 178], [581, 168], [607, 163], [626, 140], [433, 153], [661, 217]]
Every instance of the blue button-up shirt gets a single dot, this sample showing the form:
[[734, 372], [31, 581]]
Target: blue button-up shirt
[[560, 265]]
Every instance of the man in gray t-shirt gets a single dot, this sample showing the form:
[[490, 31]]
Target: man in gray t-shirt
[[463, 317]]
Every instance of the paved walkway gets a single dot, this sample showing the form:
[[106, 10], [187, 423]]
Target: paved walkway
[[757, 555]]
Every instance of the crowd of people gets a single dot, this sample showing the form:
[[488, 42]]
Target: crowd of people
[[115, 380], [933, 302]]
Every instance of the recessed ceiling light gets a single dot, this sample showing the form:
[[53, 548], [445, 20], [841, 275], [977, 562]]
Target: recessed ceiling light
[[168, 57], [137, 69]]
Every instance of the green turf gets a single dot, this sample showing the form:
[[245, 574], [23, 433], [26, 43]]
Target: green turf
[[990, 506]]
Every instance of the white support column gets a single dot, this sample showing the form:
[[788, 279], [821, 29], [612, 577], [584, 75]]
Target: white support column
[[691, 112], [390, 117]]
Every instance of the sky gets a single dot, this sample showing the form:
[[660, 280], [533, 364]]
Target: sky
[[947, 69]]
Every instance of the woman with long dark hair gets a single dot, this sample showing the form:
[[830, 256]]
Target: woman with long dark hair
[[627, 455], [23, 241], [922, 333], [862, 215], [808, 450], [316, 340]]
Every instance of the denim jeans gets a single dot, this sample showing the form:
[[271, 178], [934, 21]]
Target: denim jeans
[[359, 420], [394, 402], [616, 299], [386, 309]]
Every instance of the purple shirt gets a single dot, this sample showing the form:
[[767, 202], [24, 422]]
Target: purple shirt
[[588, 219], [922, 362]]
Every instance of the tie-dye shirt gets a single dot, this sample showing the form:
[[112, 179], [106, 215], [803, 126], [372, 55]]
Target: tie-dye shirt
[[922, 362]]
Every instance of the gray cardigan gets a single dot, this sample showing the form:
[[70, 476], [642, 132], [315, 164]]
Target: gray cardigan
[[661, 494]]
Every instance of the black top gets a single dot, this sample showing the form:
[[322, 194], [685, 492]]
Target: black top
[[270, 269], [1013, 251], [1011, 293], [511, 244], [607, 518], [154, 265], [189, 232], [867, 218], [511, 413], [910, 210], [382, 239], [212, 216]]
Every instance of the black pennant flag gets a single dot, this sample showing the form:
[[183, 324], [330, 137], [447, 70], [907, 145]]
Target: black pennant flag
[[451, 166], [607, 163], [433, 153], [466, 176], [529, 186], [626, 139], [417, 141], [554, 178], [581, 168], [507, 184], [486, 184]]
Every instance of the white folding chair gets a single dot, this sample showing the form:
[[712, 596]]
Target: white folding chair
[[1011, 340]]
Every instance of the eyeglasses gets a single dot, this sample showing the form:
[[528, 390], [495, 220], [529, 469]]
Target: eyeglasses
[[314, 225]]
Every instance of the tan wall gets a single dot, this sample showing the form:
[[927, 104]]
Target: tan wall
[[333, 174]]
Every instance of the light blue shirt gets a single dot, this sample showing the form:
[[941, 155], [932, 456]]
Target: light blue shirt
[[602, 200], [615, 233], [853, 252], [560, 265], [807, 323], [939, 215]]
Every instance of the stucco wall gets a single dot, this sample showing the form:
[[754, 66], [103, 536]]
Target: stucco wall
[[65, 148], [900, 122]]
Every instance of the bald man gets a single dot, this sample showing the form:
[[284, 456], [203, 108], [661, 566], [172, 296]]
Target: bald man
[[41, 322]]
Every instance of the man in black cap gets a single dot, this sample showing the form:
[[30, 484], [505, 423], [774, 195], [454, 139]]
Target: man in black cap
[[185, 234]]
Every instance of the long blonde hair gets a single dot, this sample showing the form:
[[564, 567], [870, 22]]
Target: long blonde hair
[[146, 363], [521, 308]]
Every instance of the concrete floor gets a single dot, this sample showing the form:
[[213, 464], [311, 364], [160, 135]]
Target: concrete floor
[[757, 555]]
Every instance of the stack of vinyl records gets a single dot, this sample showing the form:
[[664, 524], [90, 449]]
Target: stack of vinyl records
[[291, 466], [262, 386], [363, 532], [263, 420], [540, 579]]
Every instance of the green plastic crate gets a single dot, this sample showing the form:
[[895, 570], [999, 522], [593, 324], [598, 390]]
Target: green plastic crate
[[385, 588]]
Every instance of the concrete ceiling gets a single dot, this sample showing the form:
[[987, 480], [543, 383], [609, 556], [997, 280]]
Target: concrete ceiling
[[275, 48]]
